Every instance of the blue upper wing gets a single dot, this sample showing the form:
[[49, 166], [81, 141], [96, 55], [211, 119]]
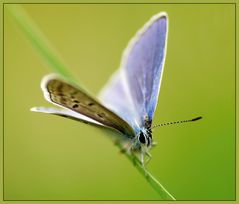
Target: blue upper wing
[[135, 88], [116, 97]]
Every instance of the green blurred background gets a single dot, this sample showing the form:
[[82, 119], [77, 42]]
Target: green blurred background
[[52, 158]]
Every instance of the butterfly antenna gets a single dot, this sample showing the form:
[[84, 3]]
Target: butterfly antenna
[[176, 122]]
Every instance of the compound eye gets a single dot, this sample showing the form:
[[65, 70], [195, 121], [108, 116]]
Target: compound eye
[[141, 138]]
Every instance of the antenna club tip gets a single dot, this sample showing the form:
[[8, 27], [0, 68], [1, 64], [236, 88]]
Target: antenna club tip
[[197, 118]]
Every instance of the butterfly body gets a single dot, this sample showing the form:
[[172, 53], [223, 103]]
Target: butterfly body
[[128, 101]]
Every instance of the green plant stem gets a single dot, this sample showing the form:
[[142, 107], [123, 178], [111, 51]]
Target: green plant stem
[[50, 55], [39, 41], [156, 185]]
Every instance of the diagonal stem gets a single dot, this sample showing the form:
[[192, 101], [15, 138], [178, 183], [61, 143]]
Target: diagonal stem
[[156, 185], [50, 56], [39, 41]]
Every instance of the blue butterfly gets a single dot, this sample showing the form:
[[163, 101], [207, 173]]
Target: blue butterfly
[[128, 101]]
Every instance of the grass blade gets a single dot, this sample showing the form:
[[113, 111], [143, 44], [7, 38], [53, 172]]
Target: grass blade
[[39, 41], [155, 184]]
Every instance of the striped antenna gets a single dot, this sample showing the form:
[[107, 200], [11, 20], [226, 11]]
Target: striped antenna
[[176, 122]]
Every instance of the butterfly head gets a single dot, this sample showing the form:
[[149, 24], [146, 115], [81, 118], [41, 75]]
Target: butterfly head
[[145, 137]]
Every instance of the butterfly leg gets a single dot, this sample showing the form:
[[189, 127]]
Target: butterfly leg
[[142, 158], [149, 158], [128, 147]]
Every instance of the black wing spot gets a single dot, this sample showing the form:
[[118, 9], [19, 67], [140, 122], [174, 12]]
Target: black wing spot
[[75, 106], [76, 101], [99, 115], [91, 104]]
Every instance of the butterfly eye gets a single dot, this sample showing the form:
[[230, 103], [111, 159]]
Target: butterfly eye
[[141, 138]]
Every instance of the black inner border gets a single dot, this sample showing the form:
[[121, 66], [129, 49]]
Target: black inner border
[[235, 4]]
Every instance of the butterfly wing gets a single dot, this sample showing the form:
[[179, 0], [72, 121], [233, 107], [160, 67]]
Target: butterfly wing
[[67, 114], [140, 74], [61, 93], [115, 97]]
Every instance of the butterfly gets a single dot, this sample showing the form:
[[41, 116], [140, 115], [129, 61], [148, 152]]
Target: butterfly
[[128, 101]]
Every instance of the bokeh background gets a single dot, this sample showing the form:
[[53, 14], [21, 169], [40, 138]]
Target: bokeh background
[[52, 158]]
